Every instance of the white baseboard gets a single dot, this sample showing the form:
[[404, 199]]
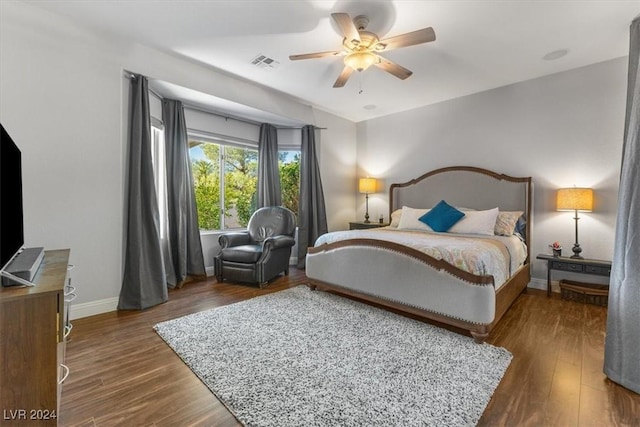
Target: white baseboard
[[542, 285], [78, 311]]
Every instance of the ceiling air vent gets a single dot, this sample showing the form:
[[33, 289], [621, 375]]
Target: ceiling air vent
[[265, 62]]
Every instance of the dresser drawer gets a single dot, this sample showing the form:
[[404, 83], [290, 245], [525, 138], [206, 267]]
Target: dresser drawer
[[595, 269], [559, 265]]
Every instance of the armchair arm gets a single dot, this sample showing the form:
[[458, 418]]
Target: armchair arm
[[276, 242], [234, 239]]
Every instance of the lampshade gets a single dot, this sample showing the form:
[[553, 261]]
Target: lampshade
[[367, 185], [360, 60], [570, 199]]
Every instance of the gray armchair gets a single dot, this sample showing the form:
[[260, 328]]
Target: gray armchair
[[260, 253]]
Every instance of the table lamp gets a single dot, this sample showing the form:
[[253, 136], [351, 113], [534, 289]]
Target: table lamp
[[367, 186], [575, 199]]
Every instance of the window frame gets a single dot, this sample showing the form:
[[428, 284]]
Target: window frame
[[158, 160], [222, 141]]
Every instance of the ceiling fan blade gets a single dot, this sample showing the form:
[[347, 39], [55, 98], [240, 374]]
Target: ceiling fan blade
[[347, 26], [314, 55], [393, 68], [343, 77], [424, 35]]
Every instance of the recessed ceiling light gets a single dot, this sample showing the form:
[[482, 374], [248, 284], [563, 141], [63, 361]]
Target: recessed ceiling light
[[556, 54], [369, 107]]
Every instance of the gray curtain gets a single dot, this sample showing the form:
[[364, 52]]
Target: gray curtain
[[185, 250], [143, 283], [269, 193], [312, 216], [622, 346]]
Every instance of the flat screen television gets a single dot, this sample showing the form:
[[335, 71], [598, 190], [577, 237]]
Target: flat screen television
[[11, 220]]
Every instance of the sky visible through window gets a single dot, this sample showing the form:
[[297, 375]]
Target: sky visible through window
[[196, 154]]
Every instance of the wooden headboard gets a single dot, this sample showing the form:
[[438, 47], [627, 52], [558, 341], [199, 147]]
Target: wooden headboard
[[465, 186]]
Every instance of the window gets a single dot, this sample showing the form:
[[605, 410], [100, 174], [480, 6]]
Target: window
[[224, 179], [159, 161], [240, 181], [225, 182], [289, 164]]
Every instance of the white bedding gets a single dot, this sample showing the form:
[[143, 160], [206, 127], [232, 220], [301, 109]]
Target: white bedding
[[499, 256]]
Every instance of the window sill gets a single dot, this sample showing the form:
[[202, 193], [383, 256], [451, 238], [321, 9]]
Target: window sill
[[214, 232]]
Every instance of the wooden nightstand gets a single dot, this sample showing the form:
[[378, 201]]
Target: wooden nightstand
[[583, 266], [361, 225]]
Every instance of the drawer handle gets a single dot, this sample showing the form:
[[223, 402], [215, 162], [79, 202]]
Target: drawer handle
[[66, 373], [70, 267], [70, 297], [69, 290], [67, 329]]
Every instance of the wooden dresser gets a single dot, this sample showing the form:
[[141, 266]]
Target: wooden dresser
[[32, 345]]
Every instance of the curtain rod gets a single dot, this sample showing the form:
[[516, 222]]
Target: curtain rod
[[239, 119], [130, 75]]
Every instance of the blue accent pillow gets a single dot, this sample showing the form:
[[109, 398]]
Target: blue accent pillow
[[442, 217], [521, 227]]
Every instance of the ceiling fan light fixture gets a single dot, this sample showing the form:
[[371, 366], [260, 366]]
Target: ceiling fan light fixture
[[361, 48], [360, 61]]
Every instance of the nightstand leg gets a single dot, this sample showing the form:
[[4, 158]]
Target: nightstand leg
[[549, 279]]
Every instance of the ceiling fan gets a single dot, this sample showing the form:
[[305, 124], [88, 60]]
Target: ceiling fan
[[361, 47]]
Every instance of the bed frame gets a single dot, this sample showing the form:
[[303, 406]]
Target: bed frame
[[408, 281]]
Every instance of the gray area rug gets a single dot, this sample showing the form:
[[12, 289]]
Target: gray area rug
[[310, 358]]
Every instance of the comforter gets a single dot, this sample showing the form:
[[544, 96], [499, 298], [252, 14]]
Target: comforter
[[498, 256]]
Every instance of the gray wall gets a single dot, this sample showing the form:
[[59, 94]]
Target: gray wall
[[64, 101], [563, 129]]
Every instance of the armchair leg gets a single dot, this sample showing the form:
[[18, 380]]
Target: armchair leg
[[262, 284], [217, 269], [286, 271]]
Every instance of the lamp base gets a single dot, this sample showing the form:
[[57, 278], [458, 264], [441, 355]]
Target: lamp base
[[576, 252], [576, 246], [366, 211]]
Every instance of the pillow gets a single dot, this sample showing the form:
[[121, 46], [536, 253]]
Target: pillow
[[506, 223], [521, 228], [410, 219], [477, 222], [395, 218], [442, 216]]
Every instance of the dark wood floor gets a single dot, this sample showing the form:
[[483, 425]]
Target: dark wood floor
[[122, 373]]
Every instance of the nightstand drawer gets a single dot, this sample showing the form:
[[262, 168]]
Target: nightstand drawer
[[567, 266], [595, 269]]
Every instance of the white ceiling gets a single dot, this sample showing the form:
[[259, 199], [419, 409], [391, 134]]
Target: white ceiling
[[479, 44]]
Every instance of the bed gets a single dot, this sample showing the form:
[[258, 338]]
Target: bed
[[458, 279]]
